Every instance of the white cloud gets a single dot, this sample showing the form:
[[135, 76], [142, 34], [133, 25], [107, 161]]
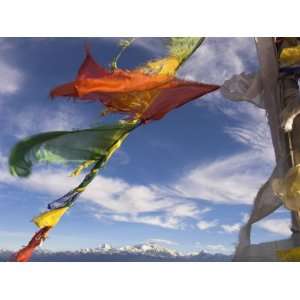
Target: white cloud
[[233, 180], [185, 209], [161, 241], [216, 249], [278, 226], [234, 228], [11, 77], [231, 228], [219, 58], [28, 121], [112, 198], [204, 225], [31, 118], [252, 130], [164, 221]]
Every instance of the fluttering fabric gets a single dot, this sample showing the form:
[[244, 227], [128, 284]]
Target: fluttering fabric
[[25, 253], [265, 203], [290, 56], [289, 255], [244, 87], [62, 147], [134, 92], [183, 47], [249, 87], [179, 50], [141, 92], [50, 218], [288, 188], [291, 99], [69, 198], [165, 66], [175, 97]]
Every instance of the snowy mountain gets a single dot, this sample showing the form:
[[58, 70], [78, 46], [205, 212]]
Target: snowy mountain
[[142, 252], [150, 249]]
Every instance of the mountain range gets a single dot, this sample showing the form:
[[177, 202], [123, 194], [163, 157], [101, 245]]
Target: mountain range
[[142, 252]]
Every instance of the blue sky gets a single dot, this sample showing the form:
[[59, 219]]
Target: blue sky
[[187, 180]]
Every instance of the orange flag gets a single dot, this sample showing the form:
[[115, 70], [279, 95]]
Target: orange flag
[[25, 253], [142, 95]]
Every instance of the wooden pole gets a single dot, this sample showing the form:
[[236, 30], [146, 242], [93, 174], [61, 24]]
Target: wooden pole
[[285, 145]]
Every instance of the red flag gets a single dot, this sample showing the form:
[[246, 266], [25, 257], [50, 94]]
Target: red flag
[[25, 253], [173, 97]]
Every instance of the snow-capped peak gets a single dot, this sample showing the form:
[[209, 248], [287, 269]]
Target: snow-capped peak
[[105, 247], [148, 248]]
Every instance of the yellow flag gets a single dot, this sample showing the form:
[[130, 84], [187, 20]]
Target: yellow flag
[[292, 254], [49, 218], [290, 55], [164, 66]]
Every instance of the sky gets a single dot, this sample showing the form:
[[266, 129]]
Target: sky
[[187, 181]]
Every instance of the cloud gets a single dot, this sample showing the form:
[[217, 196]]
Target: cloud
[[31, 118], [219, 58], [278, 226], [36, 119], [168, 222], [236, 178], [252, 130], [227, 228], [11, 77], [231, 228], [233, 180], [161, 241], [112, 198], [204, 225], [216, 249], [234, 228]]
